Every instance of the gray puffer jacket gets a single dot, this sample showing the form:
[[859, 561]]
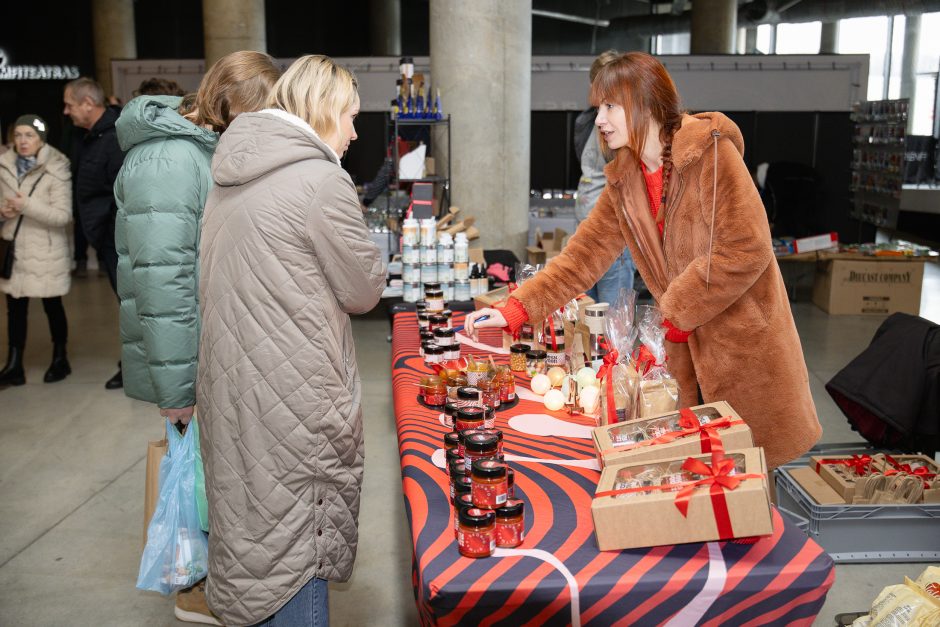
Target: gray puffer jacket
[[286, 256]]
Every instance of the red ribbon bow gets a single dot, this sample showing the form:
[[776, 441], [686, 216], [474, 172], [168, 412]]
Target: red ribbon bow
[[644, 358], [922, 471], [607, 370], [860, 464]]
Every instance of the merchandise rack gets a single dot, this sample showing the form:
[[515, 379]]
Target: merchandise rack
[[878, 160], [392, 126]]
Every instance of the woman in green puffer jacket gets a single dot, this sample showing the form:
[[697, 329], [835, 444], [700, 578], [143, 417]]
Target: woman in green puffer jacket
[[160, 192]]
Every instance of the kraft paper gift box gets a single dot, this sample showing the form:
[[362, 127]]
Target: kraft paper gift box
[[645, 519], [618, 444], [842, 471]]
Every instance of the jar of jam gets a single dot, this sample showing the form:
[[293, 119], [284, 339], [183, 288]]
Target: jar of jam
[[464, 501], [461, 440], [469, 418], [499, 438], [435, 392], [435, 298], [527, 333], [436, 321], [507, 385], [433, 354], [420, 305], [510, 524], [450, 439], [535, 362], [452, 351], [517, 359], [468, 397], [445, 334], [554, 347], [453, 455], [489, 418], [427, 336], [479, 446], [476, 532], [459, 484], [447, 313], [450, 410], [489, 483], [424, 320], [476, 372], [423, 351], [489, 392]]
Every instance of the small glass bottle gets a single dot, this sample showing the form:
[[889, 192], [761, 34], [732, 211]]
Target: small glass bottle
[[435, 392], [535, 362], [489, 483], [461, 248], [517, 359], [445, 249], [507, 385], [479, 446], [510, 524], [469, 418], [476, 532]]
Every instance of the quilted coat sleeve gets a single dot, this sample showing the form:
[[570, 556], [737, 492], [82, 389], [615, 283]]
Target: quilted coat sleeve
[[53, 208], [740, 252], [350, 260], [162, 201], [587, 256]]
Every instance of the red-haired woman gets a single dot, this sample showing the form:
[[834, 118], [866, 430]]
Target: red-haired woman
[[681, 199]]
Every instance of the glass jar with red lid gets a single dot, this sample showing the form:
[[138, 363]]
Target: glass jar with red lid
[[469, 418], [479, 446], [510, 524], [476, 532], [489, 483], [464, 501]]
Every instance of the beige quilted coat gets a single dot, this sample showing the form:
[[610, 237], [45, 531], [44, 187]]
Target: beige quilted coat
[[286, 256], [43, 257]]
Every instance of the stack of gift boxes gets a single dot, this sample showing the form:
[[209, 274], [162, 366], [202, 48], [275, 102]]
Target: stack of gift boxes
[[692, 475]]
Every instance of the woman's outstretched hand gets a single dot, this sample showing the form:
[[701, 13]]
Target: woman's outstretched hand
[[495, 319]]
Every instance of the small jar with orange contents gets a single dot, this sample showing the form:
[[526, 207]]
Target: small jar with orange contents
[[479, 446], [469, 418], [451, 456], [476, 532], [510, 524], [489, 392], [464, 501], [507, 385], [461, 484], [435, 392], [490, 487]]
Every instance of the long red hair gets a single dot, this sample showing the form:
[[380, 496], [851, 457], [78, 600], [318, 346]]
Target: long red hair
[[641, 85]]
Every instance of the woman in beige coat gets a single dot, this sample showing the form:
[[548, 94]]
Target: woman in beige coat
[[286, 257], [36, 209]]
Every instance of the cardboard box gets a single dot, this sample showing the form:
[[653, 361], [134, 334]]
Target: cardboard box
[[881, 464], [840, 476], [547, 245], [491, 298], [647, 519], [848, 286], [815, 486], [612, 452]]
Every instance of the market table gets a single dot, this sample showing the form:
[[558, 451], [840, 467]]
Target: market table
[[558, 576]]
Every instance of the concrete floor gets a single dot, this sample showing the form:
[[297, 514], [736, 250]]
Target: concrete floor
[[72, 474]]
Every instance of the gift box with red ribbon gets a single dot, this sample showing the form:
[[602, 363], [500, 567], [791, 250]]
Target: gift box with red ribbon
[[917, 465], [842, 471], [699, 498], [683, 432]]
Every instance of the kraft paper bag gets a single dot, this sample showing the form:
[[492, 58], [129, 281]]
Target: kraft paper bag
[[156, 450]]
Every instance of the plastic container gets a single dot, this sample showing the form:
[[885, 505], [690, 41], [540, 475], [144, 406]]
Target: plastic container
[[428, 272], [461, 288], [429, 254], [410, 232], [410, 292], [445, 248], [862, 533], [461, 249]]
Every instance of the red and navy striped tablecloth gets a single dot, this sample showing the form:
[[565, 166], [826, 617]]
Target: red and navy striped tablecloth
[[781, 580]]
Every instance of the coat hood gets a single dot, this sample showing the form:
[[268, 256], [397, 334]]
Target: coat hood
[[261, 142], [155, 117], [698, 133]]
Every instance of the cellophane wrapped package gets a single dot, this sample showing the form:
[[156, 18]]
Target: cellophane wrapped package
[[619, 379], [658, 391]]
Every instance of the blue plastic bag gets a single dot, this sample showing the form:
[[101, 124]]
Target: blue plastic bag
[[177, 551]]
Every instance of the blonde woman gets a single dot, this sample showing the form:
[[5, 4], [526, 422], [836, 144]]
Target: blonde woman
[[286, 257], [160, 192]]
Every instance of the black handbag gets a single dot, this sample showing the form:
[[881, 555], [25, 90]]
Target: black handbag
[[8, 247]]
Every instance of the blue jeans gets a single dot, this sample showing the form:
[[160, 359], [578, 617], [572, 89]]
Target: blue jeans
[[618, 276], [308, 608]]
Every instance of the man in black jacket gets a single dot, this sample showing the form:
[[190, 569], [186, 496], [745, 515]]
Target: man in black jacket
[[99, 158]]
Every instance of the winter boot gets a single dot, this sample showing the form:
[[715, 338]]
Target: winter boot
[[60, 368], [12, 373]]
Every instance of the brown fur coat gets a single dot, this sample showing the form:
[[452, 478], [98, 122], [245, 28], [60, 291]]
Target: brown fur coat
[[714, 273]]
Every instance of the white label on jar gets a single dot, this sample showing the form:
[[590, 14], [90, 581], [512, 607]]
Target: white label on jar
[[445, 254], [429, 273], [445, 272], [435, 304], [555, 359], [428, 255], [462, 272], [453, 354]]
